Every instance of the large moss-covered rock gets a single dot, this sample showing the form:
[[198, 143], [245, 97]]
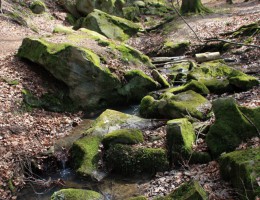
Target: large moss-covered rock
[[123, 136], [172, 106], [220, 78], [160, 79], [232, 126], [242, 168], [172, 48], [130, 160], [187, 191], [82, 61], [76, 194], [178, 72], [179, 138], [111, 26], [85, 151], [138, 84]]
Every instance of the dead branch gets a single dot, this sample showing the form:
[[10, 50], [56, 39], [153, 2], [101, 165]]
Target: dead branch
[[227, 41]]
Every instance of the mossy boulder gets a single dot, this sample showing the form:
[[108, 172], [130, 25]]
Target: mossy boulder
[[38, 7], [191, 85], [85, 151], [129, 160], [160, 79], [111, 120], [111, 26], [179, 138], [220, 78], [123, 136], [85, 155], [170, 106], [81, 61], [232, 126], [171, 48], [138, 84], [242, 169], [187, 191], [76, 194], [177, 73]]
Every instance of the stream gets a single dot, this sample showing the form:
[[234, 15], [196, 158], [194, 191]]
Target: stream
[[112, 187]]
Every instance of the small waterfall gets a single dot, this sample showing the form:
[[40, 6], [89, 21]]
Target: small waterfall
[[62, 156]]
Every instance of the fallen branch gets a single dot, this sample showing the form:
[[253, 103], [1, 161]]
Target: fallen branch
[[227, 41]]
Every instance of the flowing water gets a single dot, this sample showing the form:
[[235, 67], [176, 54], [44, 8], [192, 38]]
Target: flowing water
[[112, 187]]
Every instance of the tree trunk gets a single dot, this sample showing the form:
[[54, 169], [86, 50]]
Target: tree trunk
[[193, 6], [1, 6]]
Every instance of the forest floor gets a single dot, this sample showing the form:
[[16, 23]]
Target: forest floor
[[25, 134]]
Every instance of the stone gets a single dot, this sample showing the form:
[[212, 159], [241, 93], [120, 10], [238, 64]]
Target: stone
[[37, 7], [191, 85], [127, 160], [160, 79], [242, 169], [138, 84], [232, 126], [76, 194], [123, 136], [170, 106], [111, 26], [180, 137], [81, 61], [171, 48], [85, 151], [219, 77]]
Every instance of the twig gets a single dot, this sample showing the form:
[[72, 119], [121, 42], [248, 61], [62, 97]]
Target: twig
[[235, 43]]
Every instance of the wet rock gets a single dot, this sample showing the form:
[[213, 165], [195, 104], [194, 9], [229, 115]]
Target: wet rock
[[232, 126], [242, 168]]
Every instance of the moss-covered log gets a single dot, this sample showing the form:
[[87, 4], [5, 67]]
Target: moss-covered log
[[193, 6]]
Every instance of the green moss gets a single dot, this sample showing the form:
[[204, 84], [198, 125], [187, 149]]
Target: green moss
[[179, 138], [220, 78], [178, 72], [247, 30], [85, 154], [184, 104], [123, 136], [128, 160], [55, 102], [230, 128], [131, 13], [242, 168], [76, 194], [111, 26], [171, 48], [70, 18], [187, 191], [149, 107], [160, 79], [138, 85], [38, 7], [192, 85], [63, 29]]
